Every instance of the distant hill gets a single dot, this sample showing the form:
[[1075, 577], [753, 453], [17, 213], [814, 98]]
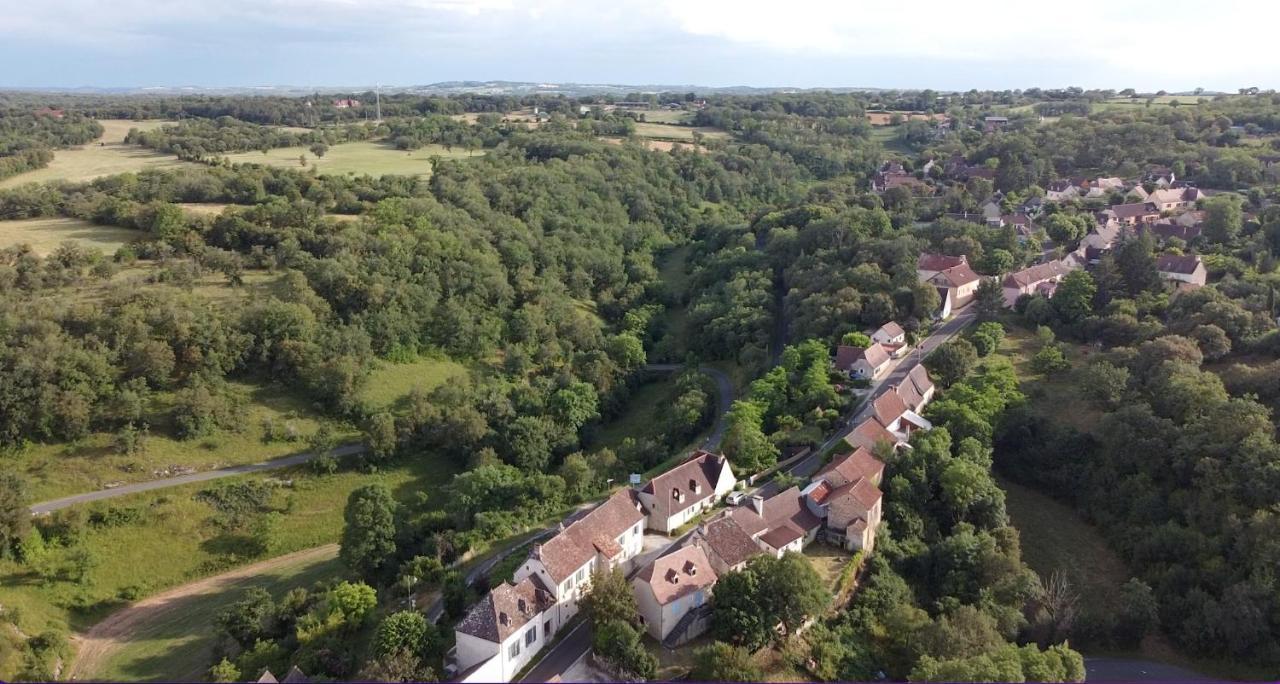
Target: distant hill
[[441, 88]]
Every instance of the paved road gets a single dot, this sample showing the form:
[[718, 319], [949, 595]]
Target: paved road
[[283, 462], [436, 609], [724, 397], [1133, 670], [897, 373], [563, 655]]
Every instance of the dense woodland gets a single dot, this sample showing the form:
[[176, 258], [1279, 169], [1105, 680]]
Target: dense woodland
[[541, 264]]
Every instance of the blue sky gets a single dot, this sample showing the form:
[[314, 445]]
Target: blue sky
[[943, 44]]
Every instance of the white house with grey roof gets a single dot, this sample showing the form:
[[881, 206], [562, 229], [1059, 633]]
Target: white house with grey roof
[[502, 632]]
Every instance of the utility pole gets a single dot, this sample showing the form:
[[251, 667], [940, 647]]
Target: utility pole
[[377, 97]]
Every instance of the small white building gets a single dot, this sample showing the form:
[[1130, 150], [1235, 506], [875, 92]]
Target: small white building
[[1188, 269], [866, 363], [673, 594], [502, 632]]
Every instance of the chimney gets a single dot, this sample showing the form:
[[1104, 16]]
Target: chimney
[[757, 503], [536, 553]]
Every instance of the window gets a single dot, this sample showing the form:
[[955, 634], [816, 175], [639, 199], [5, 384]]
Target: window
[[514, 650], [531, 636], [582, 574], [546, 628], [568, 584]]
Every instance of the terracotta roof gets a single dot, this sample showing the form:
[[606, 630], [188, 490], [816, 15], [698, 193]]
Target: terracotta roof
[[1035, 274], [846, 356], [888, 407], [506, 609], [702, 470], [868, 434], [590, 533], [891, 329], [678, 574], [853, 500], [726, 539], [1174, 263], [782, 508], [957, 276], [780, 536], [909, 394], [938, 262], [820, 492], [850, 468]]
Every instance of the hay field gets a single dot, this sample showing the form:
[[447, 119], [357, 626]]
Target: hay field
[[107, 156], [45, 234], [357, 158]]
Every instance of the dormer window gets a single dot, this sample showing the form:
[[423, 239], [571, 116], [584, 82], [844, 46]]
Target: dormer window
[[673, 577], [503, 619], [695, 487], [522, 606], [675, 494], [690, 569]]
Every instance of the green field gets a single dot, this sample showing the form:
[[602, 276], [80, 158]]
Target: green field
[[668, 116], [391, 383], [108, 156], [662, 131], [179, 643], [887, 136], [45, 234], [373, 158], [172, 542], [57, 470]]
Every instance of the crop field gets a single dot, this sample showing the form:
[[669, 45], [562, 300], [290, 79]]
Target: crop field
[[357, 158], [45, 234], [109, 155]]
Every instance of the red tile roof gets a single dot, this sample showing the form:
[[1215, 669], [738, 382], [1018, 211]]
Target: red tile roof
[[888, 407], [782, 508], [868, 434], [850, 468], [938, 262], [1036, 274], [957, 276], [594, 532], [726, 538]]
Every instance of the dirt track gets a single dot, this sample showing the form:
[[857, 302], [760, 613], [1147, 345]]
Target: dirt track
[[94, 647]]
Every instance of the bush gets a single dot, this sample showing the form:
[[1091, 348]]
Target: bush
[[618, 643]]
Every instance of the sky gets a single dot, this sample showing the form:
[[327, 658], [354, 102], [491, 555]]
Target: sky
[[1173, 45]]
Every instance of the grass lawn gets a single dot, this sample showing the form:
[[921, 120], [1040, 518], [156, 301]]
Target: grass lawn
[[1019, 344], [56, 470], [45, 234], [887, 136], [642, 416], [173, 542], [677, 133], [391, 382], [829, 561], [668, 116], [107, 156], [358, 158], [178, 645]]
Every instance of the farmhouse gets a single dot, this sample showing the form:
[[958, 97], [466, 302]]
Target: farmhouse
[[780, 523], [680, 494], [857, 465], [929, 265], [1188, 269], [850, 512], [672, 593], [1171, 199], [892, 412], [869, 363], [1041, 279], [957, 286], [892, 337], [727, 545], [870, 434]]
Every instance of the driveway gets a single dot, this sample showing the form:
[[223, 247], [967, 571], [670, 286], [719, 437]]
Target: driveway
[[282, 462]]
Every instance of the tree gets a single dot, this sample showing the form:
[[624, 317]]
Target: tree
[[15, 517], [1223, 218], [988, 299], [610, 599], [318, 149], [249, 619], [952, 361], [721, 662], [405, 630], [856, 339], [1139, 612], [736, 614], [1066, 228], [1050, 360], [748, 603], [575, 405], [1073, 300], [745, 443], [619, 644], [368, 543], [380, 435], [1213, 341], [224, 671]]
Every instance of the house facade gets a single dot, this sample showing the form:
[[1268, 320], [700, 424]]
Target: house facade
[[1041, 278], [502, 633], [679, 495], [1188, 269], [673, 594], [868, 363]]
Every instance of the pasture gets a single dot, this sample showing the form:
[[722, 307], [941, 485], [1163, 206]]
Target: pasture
[[146, 543], [107, 156], [356, 158], [662, 131], [391, 383], [668, 116], [45, 234]]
